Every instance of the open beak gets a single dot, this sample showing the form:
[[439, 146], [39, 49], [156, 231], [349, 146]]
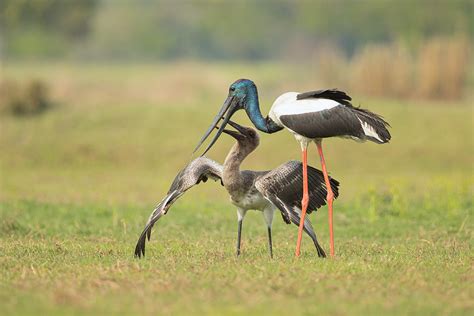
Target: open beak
[[229, 107], [238, 127], [234, 134], [238, 135]]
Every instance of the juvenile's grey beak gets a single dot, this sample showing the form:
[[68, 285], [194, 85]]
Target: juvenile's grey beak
[[238, 127], [235, 134], [229, 107]]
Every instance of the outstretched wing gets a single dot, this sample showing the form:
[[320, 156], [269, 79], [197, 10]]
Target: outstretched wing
[[286, 183], [200, 169], [293, 214], [283, 186]]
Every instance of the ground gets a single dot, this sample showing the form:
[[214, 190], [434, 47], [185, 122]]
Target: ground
[[79, 181]]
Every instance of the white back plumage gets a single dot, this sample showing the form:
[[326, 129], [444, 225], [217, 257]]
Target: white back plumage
[[287, 104]]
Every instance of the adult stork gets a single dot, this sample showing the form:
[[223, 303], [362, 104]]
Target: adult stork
[[249, 190], [309, 116]]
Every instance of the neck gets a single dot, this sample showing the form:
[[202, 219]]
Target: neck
[[233, 161], [266, 125]]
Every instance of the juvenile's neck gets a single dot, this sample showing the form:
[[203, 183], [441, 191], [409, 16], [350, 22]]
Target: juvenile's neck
[[235, 157]]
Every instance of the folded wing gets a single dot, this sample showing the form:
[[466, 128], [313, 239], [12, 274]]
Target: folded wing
[[322, 119]]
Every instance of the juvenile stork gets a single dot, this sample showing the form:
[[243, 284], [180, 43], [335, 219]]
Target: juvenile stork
[[309, 116], [265, 191]]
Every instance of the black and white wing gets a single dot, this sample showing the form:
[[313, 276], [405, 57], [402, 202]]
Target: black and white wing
[[330, 113], [283, 186], [200, 169]]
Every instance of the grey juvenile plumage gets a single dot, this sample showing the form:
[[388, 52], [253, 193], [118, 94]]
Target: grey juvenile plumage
[[266, 191]]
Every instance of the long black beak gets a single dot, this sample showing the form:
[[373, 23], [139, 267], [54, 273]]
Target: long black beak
[[229, 107]]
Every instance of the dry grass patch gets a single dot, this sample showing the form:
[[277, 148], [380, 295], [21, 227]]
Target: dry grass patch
[[24, 98]]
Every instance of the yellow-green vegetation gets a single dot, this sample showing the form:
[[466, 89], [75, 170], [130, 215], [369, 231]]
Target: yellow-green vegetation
[[78, 183]]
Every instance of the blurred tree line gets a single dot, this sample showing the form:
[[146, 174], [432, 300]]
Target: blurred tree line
[[215, 29], [44, 28]]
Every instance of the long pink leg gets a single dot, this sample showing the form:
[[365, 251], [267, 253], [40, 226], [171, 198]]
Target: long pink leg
[[304, 201], [329, 197]]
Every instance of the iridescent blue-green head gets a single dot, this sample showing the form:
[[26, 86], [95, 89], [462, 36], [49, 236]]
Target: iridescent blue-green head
[[242, 88], [242, 95]]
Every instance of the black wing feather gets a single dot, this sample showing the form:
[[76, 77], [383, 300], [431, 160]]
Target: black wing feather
[[332, 94], [283, 186], [308, 228], [286, 183], [293, 215]]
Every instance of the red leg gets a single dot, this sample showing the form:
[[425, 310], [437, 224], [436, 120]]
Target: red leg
[[329, 197], [304, 201]]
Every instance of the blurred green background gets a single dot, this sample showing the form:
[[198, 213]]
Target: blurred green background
[[245, 30], [102, 103]]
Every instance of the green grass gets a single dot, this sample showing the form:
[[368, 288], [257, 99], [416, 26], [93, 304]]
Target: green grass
[[78, 183]]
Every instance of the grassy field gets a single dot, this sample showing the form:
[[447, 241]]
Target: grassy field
[[78, 183]]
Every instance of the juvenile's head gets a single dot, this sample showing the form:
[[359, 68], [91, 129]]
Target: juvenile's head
[[245, 136]]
